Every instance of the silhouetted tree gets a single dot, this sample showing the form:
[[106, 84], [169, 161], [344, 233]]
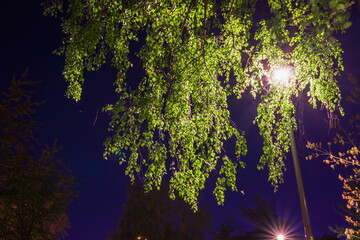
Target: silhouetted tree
[[267, 224], [226, 230], [35, 186], [154, 216]]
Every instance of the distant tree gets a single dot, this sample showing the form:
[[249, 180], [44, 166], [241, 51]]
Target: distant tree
[[262, 214], [226, 230], [35, 186], [153, 216], [195, 54], [343, 151], [267, 224]]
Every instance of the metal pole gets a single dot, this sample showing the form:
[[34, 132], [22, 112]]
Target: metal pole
[[299, 182]]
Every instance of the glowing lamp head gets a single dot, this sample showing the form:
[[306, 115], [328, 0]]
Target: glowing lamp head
[[281, 76], [280, 237]]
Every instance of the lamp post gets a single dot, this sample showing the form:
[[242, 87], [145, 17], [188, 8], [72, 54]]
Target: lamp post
[[299, 182], [283, 75]]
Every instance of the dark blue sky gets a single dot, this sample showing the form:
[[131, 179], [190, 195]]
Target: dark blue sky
[[28, 40]]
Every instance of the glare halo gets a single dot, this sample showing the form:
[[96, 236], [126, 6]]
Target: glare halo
[[281, 76]]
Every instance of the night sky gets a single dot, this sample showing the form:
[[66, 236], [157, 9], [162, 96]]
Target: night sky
[[28, 40]]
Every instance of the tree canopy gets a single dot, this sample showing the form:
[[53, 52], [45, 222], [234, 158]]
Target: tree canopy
[[195, 54]]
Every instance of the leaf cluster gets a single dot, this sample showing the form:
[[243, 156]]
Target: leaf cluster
[[196, 54]]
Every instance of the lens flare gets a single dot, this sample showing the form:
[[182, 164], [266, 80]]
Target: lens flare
[[280, 237], [274, 227]]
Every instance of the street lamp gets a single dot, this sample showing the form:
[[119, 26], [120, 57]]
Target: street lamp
[[282, 76]]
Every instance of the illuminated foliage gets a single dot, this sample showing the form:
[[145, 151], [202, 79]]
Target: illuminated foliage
[[343, 151], [196, 54], [35, 187]]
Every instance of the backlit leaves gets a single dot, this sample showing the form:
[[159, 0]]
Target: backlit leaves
[[195, 54]]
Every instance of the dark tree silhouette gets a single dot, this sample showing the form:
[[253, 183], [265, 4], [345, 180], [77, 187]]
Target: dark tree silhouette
[[154, 216], [226, 230], [267, 224], [35, 186]]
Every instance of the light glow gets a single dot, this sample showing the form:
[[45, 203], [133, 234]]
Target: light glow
[[281, 76], [280, 237]]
